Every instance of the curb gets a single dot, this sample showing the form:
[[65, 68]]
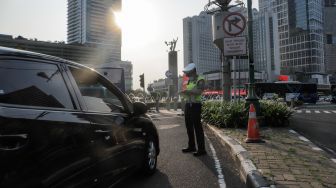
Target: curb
[[248, 172]]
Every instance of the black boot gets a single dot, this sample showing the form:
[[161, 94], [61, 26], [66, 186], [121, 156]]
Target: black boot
[[188, 149], [200, 153]]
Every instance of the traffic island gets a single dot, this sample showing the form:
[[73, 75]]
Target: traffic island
[[286, 159]]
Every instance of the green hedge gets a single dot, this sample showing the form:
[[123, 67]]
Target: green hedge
[[225, 114]]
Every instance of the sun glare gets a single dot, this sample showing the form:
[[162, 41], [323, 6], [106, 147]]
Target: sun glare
[[119, 18], [138, 21]]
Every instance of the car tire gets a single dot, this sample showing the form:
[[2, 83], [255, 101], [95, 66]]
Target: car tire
[[149, 166]]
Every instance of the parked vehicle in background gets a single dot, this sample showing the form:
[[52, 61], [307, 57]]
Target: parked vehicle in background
[[333, 94], [303, 92], [65, 125], [333, 99]]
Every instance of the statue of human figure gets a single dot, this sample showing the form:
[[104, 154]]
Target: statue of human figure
[[172, 44]]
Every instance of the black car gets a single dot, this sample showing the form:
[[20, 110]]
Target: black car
[[333, 99], [64, 125]]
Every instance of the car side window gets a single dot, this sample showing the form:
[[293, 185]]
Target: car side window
[[33, 84], [97, 96]]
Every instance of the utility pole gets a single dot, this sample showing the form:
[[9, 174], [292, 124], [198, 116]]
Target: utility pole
[[251, 97]]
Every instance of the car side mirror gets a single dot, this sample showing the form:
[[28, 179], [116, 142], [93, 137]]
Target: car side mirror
[[139, 108]]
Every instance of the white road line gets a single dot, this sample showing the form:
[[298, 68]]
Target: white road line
[[327, 112], [292, 131], [303, 138], [334, 111], [317, 149], [318, 112], [220, 175], [162, 127], [161, 118], [299, 111], [308, 111], [334, 160]]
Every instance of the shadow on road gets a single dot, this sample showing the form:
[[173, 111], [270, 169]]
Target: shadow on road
[[157, 180]]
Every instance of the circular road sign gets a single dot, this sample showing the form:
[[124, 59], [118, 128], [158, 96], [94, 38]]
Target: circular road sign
[[169, 74], [234, 24]]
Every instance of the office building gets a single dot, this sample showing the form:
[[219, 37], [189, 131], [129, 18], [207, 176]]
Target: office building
[[198, 46], [330, 36], [265, 46], [91, 22], [301, 37]]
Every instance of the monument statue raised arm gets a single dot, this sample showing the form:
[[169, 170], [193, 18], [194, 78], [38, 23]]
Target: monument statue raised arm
[[172, 44]]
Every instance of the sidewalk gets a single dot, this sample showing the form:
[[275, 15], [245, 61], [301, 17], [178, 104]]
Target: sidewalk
[[288, 159]]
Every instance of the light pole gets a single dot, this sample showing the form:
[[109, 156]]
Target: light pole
[[251, 97]]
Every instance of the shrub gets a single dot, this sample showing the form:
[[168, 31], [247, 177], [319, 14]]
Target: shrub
[[275, 113], [226, 114]]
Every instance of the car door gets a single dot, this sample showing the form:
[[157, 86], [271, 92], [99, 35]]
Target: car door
[[41, 127], [116, 140]]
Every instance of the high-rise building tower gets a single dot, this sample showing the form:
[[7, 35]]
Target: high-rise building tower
[[301, 40], [266, 47], [330, 36], [91, 22], [197, 43]]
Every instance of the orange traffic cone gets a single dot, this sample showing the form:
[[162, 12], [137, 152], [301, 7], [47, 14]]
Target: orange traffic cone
[[253, 135]]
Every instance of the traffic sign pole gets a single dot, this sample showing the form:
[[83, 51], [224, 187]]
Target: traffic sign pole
[[251, 97]]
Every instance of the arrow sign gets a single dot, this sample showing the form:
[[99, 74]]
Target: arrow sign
[[234, 24], [169, 74]]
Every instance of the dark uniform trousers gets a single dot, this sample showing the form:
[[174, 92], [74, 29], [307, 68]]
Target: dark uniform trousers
[[193, 123]]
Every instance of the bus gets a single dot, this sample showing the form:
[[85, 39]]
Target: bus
[[288, 90]]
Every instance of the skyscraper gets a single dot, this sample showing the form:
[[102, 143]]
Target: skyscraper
[[330, 36], [91, 22], [197, 43], [301, 30], [266, 47]]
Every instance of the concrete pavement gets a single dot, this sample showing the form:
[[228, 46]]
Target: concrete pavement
[[288, 159]]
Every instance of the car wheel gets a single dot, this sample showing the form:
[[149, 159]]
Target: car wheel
[[149, 166]]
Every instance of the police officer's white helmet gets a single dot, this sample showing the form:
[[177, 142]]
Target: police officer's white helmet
[[189, 68]]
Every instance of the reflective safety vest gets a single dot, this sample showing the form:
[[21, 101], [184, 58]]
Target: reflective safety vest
[[190, 86]]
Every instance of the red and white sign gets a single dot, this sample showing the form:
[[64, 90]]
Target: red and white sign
[[234, 24]]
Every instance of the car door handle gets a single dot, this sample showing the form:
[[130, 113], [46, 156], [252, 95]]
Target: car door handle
[[13, 142]]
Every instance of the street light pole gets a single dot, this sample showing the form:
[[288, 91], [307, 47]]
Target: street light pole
[[251, 97]]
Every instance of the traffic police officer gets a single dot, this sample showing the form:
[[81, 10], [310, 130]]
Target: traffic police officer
[[193, 97]]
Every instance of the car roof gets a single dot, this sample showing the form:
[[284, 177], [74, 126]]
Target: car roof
[[28, 54]]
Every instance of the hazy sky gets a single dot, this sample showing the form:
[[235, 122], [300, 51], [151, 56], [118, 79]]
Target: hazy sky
[[146, 25]]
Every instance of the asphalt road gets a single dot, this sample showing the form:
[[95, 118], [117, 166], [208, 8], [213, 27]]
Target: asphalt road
[[318, 124], [176, 169]]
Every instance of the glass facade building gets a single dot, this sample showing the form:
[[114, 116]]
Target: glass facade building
[[266, 55], [301, 29], [197, 43], [91, 22]]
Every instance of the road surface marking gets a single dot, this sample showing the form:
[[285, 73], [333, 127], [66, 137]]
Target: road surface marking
[[162, 127], [317, 149], [299, 111], [308, 111], [161, 118], [327, 112], [316, 111], [220, 175], [334, 160], [292, 131], [334, 111], [303, 138]]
